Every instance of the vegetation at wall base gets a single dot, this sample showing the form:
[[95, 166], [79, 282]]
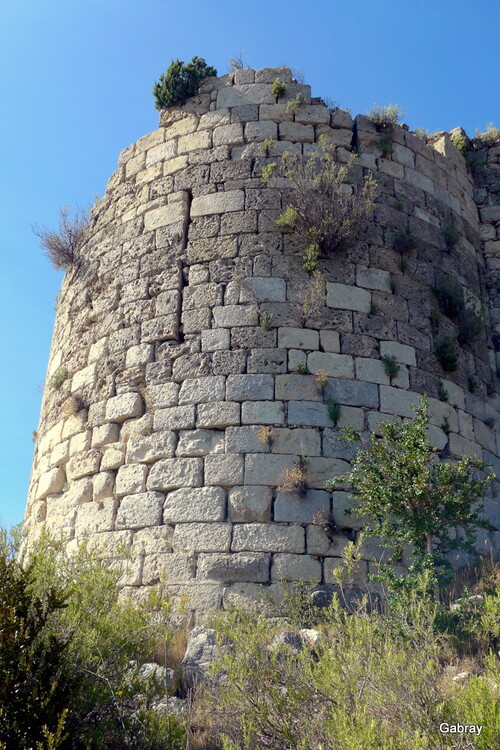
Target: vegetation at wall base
[[180, 81]]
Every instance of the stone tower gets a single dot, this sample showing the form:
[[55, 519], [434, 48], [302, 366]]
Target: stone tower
[[182, 332]]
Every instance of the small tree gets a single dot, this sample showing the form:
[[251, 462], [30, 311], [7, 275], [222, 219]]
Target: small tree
[[414, 500], [62, 246], [180, 82]]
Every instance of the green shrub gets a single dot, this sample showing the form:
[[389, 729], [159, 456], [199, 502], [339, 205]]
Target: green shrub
[[278, 89], [461, 142], [266, 321], [450, 298], [293, 106], [180, 82], [446, 352], [491, 137], [334, 412], [391, 367], [385, 118], [386, 144], [319, 209], [470, 324], [403, 241], [310, 258], [58, 378], [412, 500], [451, 236], [35, 689], [442, 392]]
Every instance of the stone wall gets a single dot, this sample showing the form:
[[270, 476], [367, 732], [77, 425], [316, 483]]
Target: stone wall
[[189, 324]]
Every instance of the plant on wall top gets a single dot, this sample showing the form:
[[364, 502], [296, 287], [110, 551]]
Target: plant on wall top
[[385, 117], [180, 82]]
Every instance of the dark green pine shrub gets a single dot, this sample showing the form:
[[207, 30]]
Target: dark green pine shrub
[[180, 82]]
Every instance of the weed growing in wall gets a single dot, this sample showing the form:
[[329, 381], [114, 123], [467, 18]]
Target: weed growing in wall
[[391, 367], [450, 298], [490, 137], [403, 241], [278, 89], [180, 81], [293, 106], [441, 391], [385, 117], [451, 236], [446, 352], [265, 436], [58, 378], [471, 324], [460, 141], [319, 208], [295, 479], [61, 247], [334, 412], [266, 321]]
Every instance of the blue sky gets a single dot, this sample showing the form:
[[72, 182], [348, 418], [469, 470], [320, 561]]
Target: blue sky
[[75, 82]]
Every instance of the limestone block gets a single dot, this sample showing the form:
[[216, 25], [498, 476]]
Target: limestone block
[[83, 464], [294, 509], [249, 387], [72, 426], [175, 418], [93, 518], [60, 454], [372, 370], [152, 540], [247, 93], [288, 567], [202, 537], [202, 390], [298, 338], [131, 479], [214, 119], [80, 442], [110, 544], [172, 473], [231, 316], [301, 441], [335, 365], [218, 414], [250, 503], [308, 413], [202, 295], [162, 396], [51, 482], [228, 135], [98, 350], [168, 303], [103, 484], [484, 435], [224, 470], [352, 393], [318, 543], [466, 424], [126, 406], [341, 503], [402, 353], [262, 412], [194, 141], [320, 470], [441, 411], [419, 180], [456, 395], [269, 75], [113, 456], [295, 132], [174, 213], [329, 341], [403, 155], [244, 440], [175, 165], [259, 131], [148, 448], [263, 290], [238, 222], [200, 442], [437, 437], [134, 427], [243, 566], [215, 339], [274, 113], [396, 401], [297, 359], [160, 152], [168, 567], [267, 469], [373, 278], [263, 199], [201, 504], [139, 510], [460, 446], [266, 537], [218, 203], [346, 297], [267, 360], [161, 328], [296, 387], [313, 114], [83, 378], [104, 434]]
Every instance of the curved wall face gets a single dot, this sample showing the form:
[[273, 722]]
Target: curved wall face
[[189, 325]]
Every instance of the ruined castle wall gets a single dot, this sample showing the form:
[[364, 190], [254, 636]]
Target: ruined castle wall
[[189, 324]]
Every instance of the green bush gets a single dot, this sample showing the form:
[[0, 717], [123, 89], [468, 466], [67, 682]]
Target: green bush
[[491, 137], [470, 324], [446, 352], [278, 89], [450, 298], [36, 689], [404, 241], [180, 82], [385, 117], [391, 367]]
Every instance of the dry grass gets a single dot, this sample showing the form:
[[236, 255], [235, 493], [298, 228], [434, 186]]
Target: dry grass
[[61, 247]]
